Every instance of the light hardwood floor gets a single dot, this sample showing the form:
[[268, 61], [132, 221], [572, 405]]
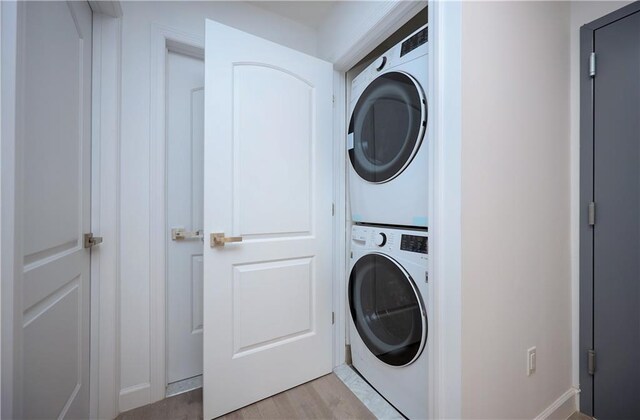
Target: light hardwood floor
[[324, 398]]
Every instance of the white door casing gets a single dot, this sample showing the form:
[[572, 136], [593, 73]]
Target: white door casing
[[185, 131], [267, 178], [53, 201]]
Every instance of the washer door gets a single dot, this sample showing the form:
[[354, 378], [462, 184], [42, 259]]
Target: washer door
[[387, 126], [387, 309]]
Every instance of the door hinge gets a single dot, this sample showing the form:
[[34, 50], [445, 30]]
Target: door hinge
[[333, 99], [333, 209], [333, 318], [591, 361], [592, 65], [90, 240], [592, 213]]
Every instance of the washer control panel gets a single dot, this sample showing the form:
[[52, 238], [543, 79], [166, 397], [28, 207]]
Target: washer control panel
[[389, 239], [415, 243], [380, 239]]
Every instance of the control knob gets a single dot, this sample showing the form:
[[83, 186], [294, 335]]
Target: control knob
[[380, 63], [381, 239]]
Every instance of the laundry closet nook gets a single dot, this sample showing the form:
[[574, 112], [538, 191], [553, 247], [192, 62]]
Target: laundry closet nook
[[366, 206]]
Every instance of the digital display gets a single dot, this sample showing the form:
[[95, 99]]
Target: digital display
[[415, 243], [414, 42]]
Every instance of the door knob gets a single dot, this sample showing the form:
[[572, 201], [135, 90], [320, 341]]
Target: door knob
[[218, 239]]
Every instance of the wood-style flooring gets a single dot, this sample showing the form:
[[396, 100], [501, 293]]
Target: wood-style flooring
[[324, 398]]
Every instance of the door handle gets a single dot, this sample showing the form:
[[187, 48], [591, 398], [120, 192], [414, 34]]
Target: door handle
[[218, 239], [179, 234]]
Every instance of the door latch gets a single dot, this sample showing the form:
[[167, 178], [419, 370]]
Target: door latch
[[90, 240], [179, 234]]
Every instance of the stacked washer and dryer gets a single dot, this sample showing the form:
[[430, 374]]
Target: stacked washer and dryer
[[388, 289]]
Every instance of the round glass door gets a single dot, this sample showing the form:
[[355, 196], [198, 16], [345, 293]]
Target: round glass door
[[387, 125], [387, 310]]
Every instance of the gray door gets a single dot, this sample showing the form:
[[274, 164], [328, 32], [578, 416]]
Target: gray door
[[616, 233]]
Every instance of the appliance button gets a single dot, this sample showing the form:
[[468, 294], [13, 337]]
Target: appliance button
[[381, 239], [381, 63]]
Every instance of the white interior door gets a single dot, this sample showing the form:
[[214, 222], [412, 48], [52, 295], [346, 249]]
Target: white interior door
[[53, 184], [185, 131], [268, 180]]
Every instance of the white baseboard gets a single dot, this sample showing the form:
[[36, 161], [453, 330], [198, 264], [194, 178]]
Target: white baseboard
[[561, 408], [134, 396]]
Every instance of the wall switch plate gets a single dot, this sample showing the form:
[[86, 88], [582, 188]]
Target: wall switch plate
[[531, 361]]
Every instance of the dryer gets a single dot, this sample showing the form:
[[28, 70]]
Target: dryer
[[387, 137], [389, 301]]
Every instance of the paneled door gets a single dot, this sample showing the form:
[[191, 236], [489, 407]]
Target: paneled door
[[53, 208], [267, 219], [185, 131]]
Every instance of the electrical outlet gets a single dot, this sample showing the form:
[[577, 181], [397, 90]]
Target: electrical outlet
[[531, 361]]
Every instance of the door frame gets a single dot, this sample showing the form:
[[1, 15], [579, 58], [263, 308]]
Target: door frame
[[9, 274], [587, 43], [105, 208]]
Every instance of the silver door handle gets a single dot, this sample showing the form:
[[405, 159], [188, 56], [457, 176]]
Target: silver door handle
[[179, 234], [218, 239]]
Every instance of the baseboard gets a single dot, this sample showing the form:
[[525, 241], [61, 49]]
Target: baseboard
[[134, 397], [561, 408]]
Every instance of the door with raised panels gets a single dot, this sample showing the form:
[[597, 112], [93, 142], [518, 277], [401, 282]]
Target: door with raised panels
[[185, 131], [53, 129], [267, 200]]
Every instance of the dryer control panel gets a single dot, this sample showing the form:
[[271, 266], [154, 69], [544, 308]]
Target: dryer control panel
[[414, 41], [411, 48]]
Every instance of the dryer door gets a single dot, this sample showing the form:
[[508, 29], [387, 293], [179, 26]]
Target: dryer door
[[387, 126], [387, 309]]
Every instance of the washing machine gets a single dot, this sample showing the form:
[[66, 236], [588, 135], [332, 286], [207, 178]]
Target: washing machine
[[389, 301], [387, 137]]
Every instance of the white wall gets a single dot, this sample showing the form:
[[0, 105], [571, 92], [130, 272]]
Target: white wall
[[134, 276], [582, 12], [516, 272]]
